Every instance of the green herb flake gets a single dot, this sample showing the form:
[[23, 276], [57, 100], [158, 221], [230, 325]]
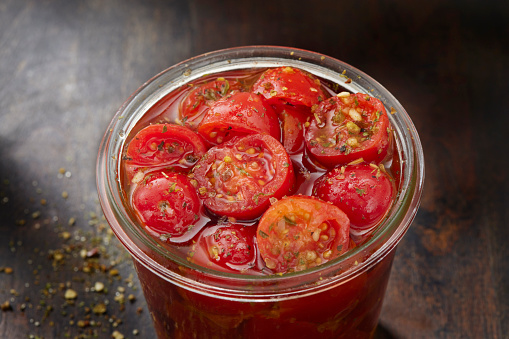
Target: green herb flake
[[263, 234], [289, 221], [243, 171], [257, 196], [225, 88]]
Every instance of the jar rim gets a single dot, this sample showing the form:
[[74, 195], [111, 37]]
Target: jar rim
[[191, 276]]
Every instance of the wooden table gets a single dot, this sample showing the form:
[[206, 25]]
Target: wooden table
[[66, 66]]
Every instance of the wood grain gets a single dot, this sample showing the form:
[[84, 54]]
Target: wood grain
[[66, 67]]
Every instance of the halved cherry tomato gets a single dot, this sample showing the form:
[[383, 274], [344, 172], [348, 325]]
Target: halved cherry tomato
[[347, 127], [238, 114], [300, 232], [289, 85], [364, 192], [293, 119], [230, 246], [238, 177], [164, 145], [202, 97], [166, 203]]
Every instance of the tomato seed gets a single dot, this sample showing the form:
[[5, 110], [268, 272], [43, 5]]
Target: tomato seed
[[316, 234], [352, 142], [311, 255]]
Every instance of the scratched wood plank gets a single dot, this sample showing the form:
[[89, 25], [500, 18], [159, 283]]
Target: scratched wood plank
[[65, 67]]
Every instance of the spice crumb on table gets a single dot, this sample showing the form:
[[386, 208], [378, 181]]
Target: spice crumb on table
[[81, 283]]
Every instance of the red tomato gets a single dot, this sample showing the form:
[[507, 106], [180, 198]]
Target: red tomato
[[289, 85], [163, 145], [238, 177], [202, 97], [300, 232], [231, 246], [364, 192], [238, 114], [166, 203], [293, 119], [347, 128]]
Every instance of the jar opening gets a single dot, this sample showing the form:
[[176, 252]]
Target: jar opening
[[173, 267]]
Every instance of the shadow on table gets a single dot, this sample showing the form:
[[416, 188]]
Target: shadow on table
[[384, 333]]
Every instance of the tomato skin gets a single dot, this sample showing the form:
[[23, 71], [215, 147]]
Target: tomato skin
[[293, 119], [289, 85], [238, 114], [198, 101], [238, 177], [347, 128], [300, 232], [227, 247], [364, 192], [164, 145], [166, 203]]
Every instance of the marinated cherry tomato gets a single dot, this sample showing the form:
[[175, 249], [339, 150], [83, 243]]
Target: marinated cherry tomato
[[300, 232], [364, 192], [202, 97], [165, 144], [238, 177], [289, 85], [347, 127], [231, 246], [293, 120], [238, 114], [166, 203]]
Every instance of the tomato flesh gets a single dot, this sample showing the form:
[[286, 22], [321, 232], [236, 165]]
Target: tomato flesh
[[289, 85], [238, 177], [167, 204], [230, 246], [293, 120], [300, 232], [238, 114], [348, 127], [198, 101], [364, 192], [163, 145]]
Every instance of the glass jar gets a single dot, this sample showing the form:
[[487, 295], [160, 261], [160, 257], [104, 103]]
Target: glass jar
[[339, 299]]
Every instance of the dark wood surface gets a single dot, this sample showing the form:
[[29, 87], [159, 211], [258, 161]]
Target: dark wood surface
[[66, 66]]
